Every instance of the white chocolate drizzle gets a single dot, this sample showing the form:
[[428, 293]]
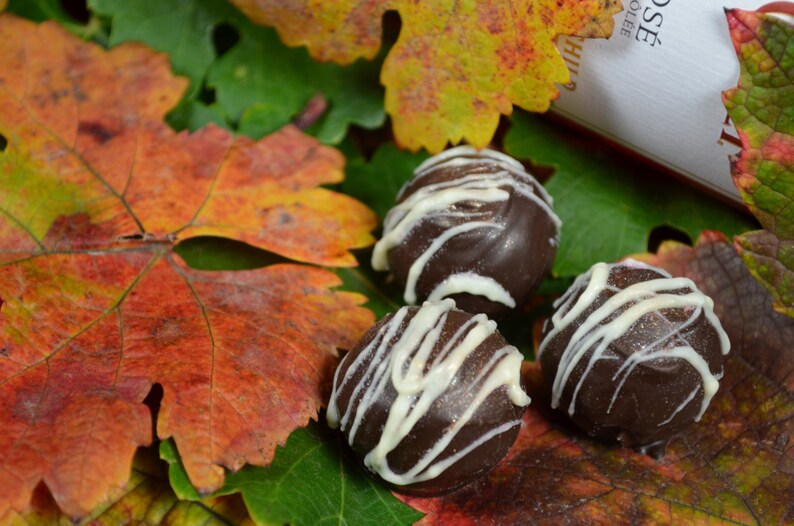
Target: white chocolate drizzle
[[622, 310], [439, 200], [419, 384], [473, 284]]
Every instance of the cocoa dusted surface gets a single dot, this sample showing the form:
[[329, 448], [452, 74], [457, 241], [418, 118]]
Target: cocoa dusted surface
[[495, 411], [655, 390], [518, 256]]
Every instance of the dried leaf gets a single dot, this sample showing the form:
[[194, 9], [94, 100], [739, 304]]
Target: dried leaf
[[735, 466], [456, 66], [95, 190], [762, 107]]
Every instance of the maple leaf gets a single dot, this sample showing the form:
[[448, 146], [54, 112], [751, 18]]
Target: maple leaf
[[761, 107], [456, 65], [95, 191], [735, 466]]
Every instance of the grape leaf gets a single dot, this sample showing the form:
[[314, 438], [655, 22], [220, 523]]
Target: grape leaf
[[213, 253], [312, 480], [608, 205], [95, 192], [259, 85], [456, 65], [762, 107], [735, 466], [146, 499]]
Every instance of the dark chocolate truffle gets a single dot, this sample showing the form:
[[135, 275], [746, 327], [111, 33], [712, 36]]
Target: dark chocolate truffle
[[430, 398], [472, 226], [633, 354]]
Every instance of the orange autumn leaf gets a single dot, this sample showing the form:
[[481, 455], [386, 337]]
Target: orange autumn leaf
[[456, 65], [88, 125], [96, 307]]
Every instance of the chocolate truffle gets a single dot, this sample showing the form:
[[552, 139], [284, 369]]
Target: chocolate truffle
[[430, 398], [633, 354], [472, 226]]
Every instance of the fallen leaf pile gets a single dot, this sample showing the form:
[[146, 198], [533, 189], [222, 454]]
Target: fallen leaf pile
[[95, 191], [117, 340], [456, 65]]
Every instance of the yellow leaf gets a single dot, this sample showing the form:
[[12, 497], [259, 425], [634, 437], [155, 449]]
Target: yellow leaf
[[456, 65]]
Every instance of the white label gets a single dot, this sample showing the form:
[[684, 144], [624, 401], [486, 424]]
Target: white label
[[655, 86]]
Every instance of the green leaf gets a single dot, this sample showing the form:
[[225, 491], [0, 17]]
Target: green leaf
[[762, 107], [180, 482], [41, 10], [263, 85], [181, 29], [192, 114], [264, 117], [609, 207], [259, 85], [382, 298], [771, 261], [219, 253], [377, 182], [312, 480], [146, 499]]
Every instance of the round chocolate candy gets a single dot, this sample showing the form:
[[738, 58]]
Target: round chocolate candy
[[472, 226], [633, 354], [430, 398]]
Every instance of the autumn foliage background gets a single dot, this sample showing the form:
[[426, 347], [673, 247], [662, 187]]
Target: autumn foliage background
[[188, 191]]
